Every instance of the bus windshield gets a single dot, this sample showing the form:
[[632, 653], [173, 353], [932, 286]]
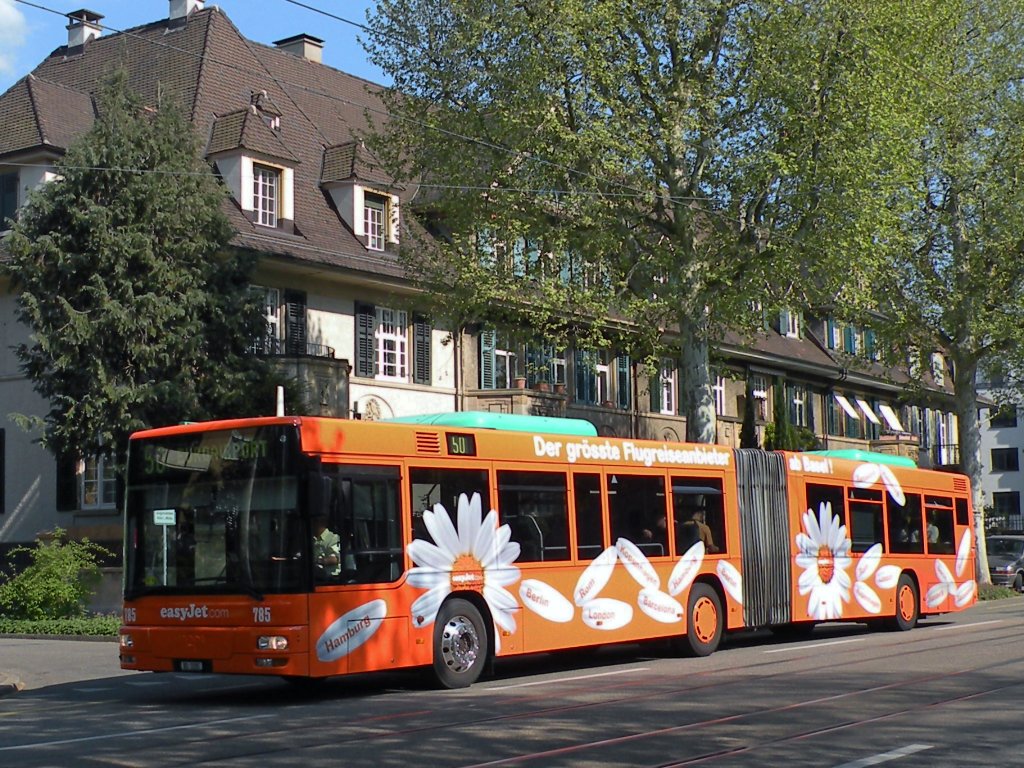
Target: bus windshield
[[216, 512]]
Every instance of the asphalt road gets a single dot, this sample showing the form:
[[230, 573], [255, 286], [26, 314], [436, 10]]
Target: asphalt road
[[950, 693]]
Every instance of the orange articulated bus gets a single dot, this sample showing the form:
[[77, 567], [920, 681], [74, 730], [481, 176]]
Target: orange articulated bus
[[311, 547]]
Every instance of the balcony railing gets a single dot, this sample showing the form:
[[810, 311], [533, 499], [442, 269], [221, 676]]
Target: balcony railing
[[945, 454], [282, 347]]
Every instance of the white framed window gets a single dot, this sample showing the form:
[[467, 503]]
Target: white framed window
[[799, 406], [374, 221], [557, 366], [718, 390], [939, 369], [601, 378], [271, 300], [667, 379], [266, 187], [759, 391], [504, 366], [391, 342], [96, 482], [790, 324]]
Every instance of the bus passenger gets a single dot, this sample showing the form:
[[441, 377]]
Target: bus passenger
[[326, 549], [696, 529]]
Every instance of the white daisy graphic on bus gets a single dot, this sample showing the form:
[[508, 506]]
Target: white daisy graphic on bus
[[866, 475], [825, 557], [477, 555]]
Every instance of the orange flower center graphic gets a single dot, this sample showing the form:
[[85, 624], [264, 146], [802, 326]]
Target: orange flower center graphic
[[467, 573], [826, 565]]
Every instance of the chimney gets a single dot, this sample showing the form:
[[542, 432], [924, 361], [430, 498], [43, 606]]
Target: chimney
[[84, 26], [180, 9], [306, 46]]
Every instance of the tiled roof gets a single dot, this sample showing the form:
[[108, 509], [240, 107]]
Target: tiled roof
[[212, 71], [38, 113], [352, 161], [245, 129]]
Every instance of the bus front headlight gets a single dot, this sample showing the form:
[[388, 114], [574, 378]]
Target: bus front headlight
[[272, 643]]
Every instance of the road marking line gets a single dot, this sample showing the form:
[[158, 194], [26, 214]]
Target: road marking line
[[569, 679], [123, 734], [886, 757], [802, 646], [968, 626]]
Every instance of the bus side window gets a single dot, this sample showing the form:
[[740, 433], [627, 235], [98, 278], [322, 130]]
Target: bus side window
[[939, 524], [962, 518], [638, 511], [367, 523], [429, 486], [589, 529], [535, 507], [865, 519], [692, 496], [831, 495], [905, 525]]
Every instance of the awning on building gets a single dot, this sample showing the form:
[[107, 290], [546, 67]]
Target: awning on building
[[868, 412], [891, 418], [845, 405]]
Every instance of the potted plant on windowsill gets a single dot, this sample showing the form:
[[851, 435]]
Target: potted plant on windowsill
[[520, 382]]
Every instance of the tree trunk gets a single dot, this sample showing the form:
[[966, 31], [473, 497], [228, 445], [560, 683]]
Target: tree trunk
[[966, 398], [698, 399]]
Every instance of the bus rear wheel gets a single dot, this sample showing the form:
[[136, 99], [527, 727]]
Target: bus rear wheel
[[908, 606], [461, 644], [704, 621]]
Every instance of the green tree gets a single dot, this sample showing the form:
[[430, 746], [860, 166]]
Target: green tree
[[681, 165], [138, 315], [959, 284]]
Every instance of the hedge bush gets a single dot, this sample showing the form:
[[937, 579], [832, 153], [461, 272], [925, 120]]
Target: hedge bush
[[58, 581], [92, 626]]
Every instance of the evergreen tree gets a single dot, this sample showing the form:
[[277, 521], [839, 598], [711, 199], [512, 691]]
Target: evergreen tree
[[138, 316], [748, 430], [782, 436]]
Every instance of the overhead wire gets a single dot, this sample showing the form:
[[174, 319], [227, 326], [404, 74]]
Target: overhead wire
[[519, 154]]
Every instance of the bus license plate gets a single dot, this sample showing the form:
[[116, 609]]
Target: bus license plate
[[191, 666]]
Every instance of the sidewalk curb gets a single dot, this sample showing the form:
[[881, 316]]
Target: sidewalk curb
[[10, 685]]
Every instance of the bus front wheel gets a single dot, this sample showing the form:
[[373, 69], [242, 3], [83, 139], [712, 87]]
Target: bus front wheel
[[461, 644], [703, 621]]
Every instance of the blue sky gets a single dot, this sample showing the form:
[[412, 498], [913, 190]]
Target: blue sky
[[28, 33]]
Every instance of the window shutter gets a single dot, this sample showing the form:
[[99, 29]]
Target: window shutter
[[623, 383], [295, 322], [67, 483], [488, 341], [869, 344], [654, 383], [366, 317], [421, 333], [850, 340], [585, 378], [830, 333]]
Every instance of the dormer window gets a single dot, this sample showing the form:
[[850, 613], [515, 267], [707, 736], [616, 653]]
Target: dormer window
[[364, 195], [266, 186], [255, 165], [375, 221]]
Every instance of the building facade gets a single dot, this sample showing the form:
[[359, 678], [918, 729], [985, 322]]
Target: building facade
[[283, 133]]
